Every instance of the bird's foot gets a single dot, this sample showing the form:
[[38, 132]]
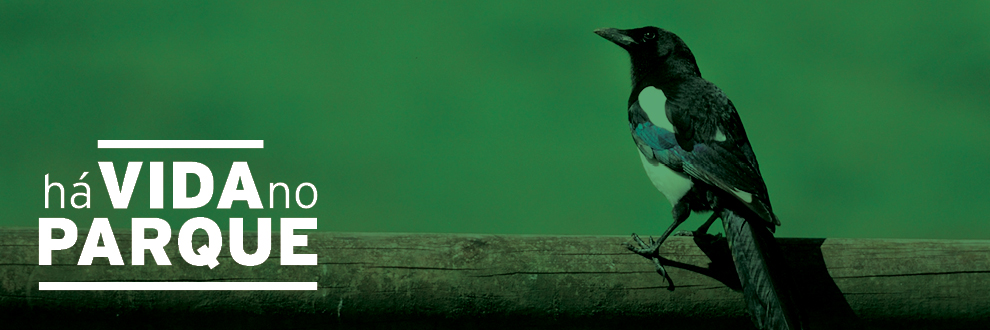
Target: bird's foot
[[650, 251], [644, 249]]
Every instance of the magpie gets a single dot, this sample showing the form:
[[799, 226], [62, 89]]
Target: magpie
[[696, 152]]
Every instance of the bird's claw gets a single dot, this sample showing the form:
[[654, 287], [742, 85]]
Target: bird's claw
[[650, 251], [647, 250]]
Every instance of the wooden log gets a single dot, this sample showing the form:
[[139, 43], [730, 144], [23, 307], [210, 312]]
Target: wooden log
[[385, 280]]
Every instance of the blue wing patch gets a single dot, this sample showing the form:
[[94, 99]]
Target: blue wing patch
[[658, 145], [712, 164], [655, 137]]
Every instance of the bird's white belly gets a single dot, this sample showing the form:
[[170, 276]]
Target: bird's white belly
[[671, 184]]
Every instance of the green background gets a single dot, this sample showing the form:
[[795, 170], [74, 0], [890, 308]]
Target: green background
[[869, 120]]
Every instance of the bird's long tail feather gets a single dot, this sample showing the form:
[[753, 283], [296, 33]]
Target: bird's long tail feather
[[762, 272]]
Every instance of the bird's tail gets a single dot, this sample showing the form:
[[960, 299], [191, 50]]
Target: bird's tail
[[762, 272]]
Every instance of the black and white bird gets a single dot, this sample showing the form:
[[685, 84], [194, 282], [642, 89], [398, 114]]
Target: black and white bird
[[696, 152]]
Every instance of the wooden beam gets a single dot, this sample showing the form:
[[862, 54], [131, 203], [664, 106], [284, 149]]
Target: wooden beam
[[367, 280]]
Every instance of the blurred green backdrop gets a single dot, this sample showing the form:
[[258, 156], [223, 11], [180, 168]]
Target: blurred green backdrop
[[869, 119]]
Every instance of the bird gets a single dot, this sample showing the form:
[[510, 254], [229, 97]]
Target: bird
[[695, 151]]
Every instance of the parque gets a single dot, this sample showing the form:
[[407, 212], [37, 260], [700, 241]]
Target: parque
[[205, 255]]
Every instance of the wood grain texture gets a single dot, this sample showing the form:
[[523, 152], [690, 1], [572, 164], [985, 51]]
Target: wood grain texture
[[371, 278]]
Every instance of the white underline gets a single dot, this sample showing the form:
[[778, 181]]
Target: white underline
[[180, 144], [174, 286]]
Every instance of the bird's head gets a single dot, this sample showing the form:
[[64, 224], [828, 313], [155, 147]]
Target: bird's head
[[656, 53]]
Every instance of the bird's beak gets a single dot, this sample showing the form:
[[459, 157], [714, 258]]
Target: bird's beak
[[617, 36]]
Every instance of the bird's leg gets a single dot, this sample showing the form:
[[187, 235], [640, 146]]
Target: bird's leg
[[703, 229], [680, 213], [656, 261]]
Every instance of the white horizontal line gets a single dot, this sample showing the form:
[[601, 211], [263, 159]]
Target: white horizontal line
[[174, 286], [180, 144]]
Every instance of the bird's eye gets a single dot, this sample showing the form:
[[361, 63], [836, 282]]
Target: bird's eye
[[649, 36]]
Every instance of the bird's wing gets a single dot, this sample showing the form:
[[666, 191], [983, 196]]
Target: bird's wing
[[723, 164]]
